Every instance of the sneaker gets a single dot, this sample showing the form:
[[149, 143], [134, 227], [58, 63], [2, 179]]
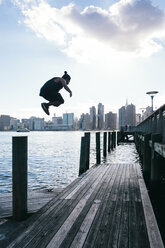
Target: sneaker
[[45, 108]]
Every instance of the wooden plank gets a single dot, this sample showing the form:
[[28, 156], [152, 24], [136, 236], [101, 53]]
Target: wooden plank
[[98, 195], [99, 234], [152, 227], [123, 238], [133, 239], [48, 223], [65, 214], [103, 196], [36, 200], [142, 235], [116, 220], [84, 228], [63, 231]]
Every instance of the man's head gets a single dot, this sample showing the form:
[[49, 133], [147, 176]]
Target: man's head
[[66, 77]]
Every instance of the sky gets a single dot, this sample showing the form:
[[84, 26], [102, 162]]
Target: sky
[[113, 50]]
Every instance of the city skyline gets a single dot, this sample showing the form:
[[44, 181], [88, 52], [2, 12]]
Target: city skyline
[[121, 58], [93, 120]]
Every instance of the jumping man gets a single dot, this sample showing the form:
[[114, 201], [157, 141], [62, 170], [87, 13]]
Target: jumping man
[[50, 91]]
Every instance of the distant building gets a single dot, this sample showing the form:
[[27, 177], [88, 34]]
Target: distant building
[[100, 116], [36, 124], [122, 116], [25, 123], [57, 121], [5, 122], [92, 118], [111, 121], [148, 112], [14, 124], [68, 120], [130, 115], [138, 119], [84, 122], [127, 115]]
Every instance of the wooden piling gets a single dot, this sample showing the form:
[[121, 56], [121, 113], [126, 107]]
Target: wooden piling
[[109, 141], [118, 137], [105, 144], [98, 154], [114, 139], [147, 157], [82, 156], [19, 177], [87, 145], [155, 169]]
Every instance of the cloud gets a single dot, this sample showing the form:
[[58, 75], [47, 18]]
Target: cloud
[[130, 26]]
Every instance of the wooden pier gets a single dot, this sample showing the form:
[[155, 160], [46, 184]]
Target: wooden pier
[[107, 206]]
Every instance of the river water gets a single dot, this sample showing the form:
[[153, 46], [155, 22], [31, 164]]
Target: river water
[[53, 158]]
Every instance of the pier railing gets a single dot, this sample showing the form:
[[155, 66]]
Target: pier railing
[[150, 143], [154, 124]]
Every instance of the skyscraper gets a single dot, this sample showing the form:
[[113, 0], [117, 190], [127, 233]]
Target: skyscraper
[[111, 121], [92, 118], [5, 122], [68, 119], [100, 116], [122, 116], [127, 115], [84, 122], [130, 115]]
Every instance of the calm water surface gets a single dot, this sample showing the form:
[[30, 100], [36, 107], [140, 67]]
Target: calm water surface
[[53, 158]]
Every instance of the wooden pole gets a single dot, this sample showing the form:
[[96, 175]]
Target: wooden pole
[[87, 144], [118, 137], [82, 156], [109, 148], [147, 157], [111, 138], [114, 139], [155, 169], [105, 144], [98, 155], [19, 177], [154, 166]]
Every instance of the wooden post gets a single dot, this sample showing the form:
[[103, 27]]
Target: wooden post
[[82, 156], [87, 144], [114, 139], [98, 155], [155, 170], [111, 139], [141, 147], [118, 137], [19, 177], [105, 144], [109, 147], [147, 157]]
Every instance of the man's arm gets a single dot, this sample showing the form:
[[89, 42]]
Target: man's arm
[[63, 82]]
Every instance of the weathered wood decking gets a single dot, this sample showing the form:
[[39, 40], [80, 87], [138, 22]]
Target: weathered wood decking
[[108, 206], [36, 200]]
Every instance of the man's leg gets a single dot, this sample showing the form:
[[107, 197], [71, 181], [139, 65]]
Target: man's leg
[[55, 103]]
